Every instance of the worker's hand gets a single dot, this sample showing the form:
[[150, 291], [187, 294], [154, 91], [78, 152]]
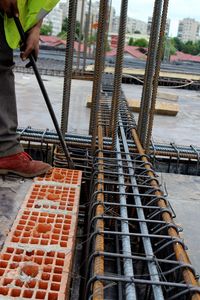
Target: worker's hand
[[9, 7], [32, 42]]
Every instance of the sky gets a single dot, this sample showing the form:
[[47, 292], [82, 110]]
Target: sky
[[178, 9]]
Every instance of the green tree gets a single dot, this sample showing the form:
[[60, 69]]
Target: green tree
[[141, 42], [63, 32], [92, 39], [64, 25], [190, 48], [46, 29], [131, 42], [168, 48], [177, 43], [78, 36]]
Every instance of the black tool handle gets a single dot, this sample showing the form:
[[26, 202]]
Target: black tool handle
[[45, 95]]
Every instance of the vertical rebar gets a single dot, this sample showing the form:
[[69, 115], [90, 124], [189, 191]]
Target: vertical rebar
[[87, 28], [118, 73], [157, 72], [81, 33], [68, 64], [99, 59], [149, 72], [91, 33]]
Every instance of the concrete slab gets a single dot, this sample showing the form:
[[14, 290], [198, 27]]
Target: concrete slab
[[32, 110], [182, 129], [167, 97], [12, 193], [184, 195]]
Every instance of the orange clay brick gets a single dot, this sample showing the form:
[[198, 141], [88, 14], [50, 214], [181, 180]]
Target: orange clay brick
[[42, 230], [36, 274], [36, 260], [51, 198], [60, 176]]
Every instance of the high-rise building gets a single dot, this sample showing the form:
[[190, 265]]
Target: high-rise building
[[65, 9], [81, 5], [115, 24], [55, 18], [95, 11], [112, 16], [188, 30], [150, 23], [136, 26], [64, 6]]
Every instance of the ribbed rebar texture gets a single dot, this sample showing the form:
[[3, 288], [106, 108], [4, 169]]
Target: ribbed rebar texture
[[144, 257], [81, 33], [118, 73], [87, 28], [130, 290], [68, 64], [156, 75], [103, 11], [149, 72]]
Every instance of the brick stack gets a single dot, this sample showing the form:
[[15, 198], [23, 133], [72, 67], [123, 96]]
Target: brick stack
[[36, 259]]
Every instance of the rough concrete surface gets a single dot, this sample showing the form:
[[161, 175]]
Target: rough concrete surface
[[182, 129], [184, 196], [32, 110], [12, 194]]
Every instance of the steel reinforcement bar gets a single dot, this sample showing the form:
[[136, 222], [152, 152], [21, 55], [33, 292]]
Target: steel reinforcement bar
[[84, 141], [139, 233]]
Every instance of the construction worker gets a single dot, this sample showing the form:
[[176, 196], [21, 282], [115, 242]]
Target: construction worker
[[13, 159]]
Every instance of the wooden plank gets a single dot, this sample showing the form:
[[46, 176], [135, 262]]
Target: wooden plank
[[140, 72], [162, 108]]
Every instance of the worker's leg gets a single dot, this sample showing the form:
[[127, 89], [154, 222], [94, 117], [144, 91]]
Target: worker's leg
[[12, 157], [9, 142]]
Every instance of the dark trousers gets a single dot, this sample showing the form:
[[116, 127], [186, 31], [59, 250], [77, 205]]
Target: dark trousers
[[9, 140]]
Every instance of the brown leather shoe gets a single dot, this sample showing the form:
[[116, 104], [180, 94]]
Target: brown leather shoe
[[22, 164]]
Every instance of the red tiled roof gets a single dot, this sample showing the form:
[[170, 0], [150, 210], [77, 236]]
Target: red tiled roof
[[54, 41], [132, 50], [180, 56], [76, 45]]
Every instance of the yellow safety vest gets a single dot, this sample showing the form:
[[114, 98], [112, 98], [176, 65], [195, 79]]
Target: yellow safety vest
[[30, 13]]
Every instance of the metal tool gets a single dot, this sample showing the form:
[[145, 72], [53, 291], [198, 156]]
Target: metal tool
[[45, 95]]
